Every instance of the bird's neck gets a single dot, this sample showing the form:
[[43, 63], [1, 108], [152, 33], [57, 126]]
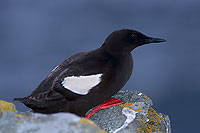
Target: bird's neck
[[113, 52]]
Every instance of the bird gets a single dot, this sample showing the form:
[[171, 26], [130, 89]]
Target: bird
[[86, 79]]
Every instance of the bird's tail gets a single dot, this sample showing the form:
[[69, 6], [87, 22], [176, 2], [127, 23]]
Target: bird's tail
[[19, 99]]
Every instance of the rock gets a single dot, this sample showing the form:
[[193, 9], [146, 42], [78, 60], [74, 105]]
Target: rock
[[6, 107], [18, 122], [134, 116]]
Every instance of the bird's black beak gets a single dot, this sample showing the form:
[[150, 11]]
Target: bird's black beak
[[154, 40]]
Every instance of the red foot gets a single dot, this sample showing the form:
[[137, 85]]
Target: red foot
[[106, 104]]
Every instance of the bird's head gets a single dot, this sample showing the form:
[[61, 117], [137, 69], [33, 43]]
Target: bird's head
[[125, 40]]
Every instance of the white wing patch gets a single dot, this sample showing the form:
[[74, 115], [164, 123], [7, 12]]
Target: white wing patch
[[81, 84]]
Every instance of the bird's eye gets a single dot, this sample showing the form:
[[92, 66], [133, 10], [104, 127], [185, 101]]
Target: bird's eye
[[130, 37], [134, 35]]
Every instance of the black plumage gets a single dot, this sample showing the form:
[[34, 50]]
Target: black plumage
[[113, 60]]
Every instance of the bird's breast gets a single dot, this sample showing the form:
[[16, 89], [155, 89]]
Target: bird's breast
[[118, 73]]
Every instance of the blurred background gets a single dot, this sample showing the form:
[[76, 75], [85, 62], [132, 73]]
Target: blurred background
[[36, 36]]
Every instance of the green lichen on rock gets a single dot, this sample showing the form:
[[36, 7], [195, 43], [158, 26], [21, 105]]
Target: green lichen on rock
[[152, 122], [6, 107], [136, 115]]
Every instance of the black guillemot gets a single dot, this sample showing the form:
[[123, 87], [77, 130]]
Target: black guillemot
[[86, 79]]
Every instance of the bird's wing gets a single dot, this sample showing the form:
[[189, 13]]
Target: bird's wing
[[69, 85], [46, 84], [44, 90], [73, 83], [73, 78]]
